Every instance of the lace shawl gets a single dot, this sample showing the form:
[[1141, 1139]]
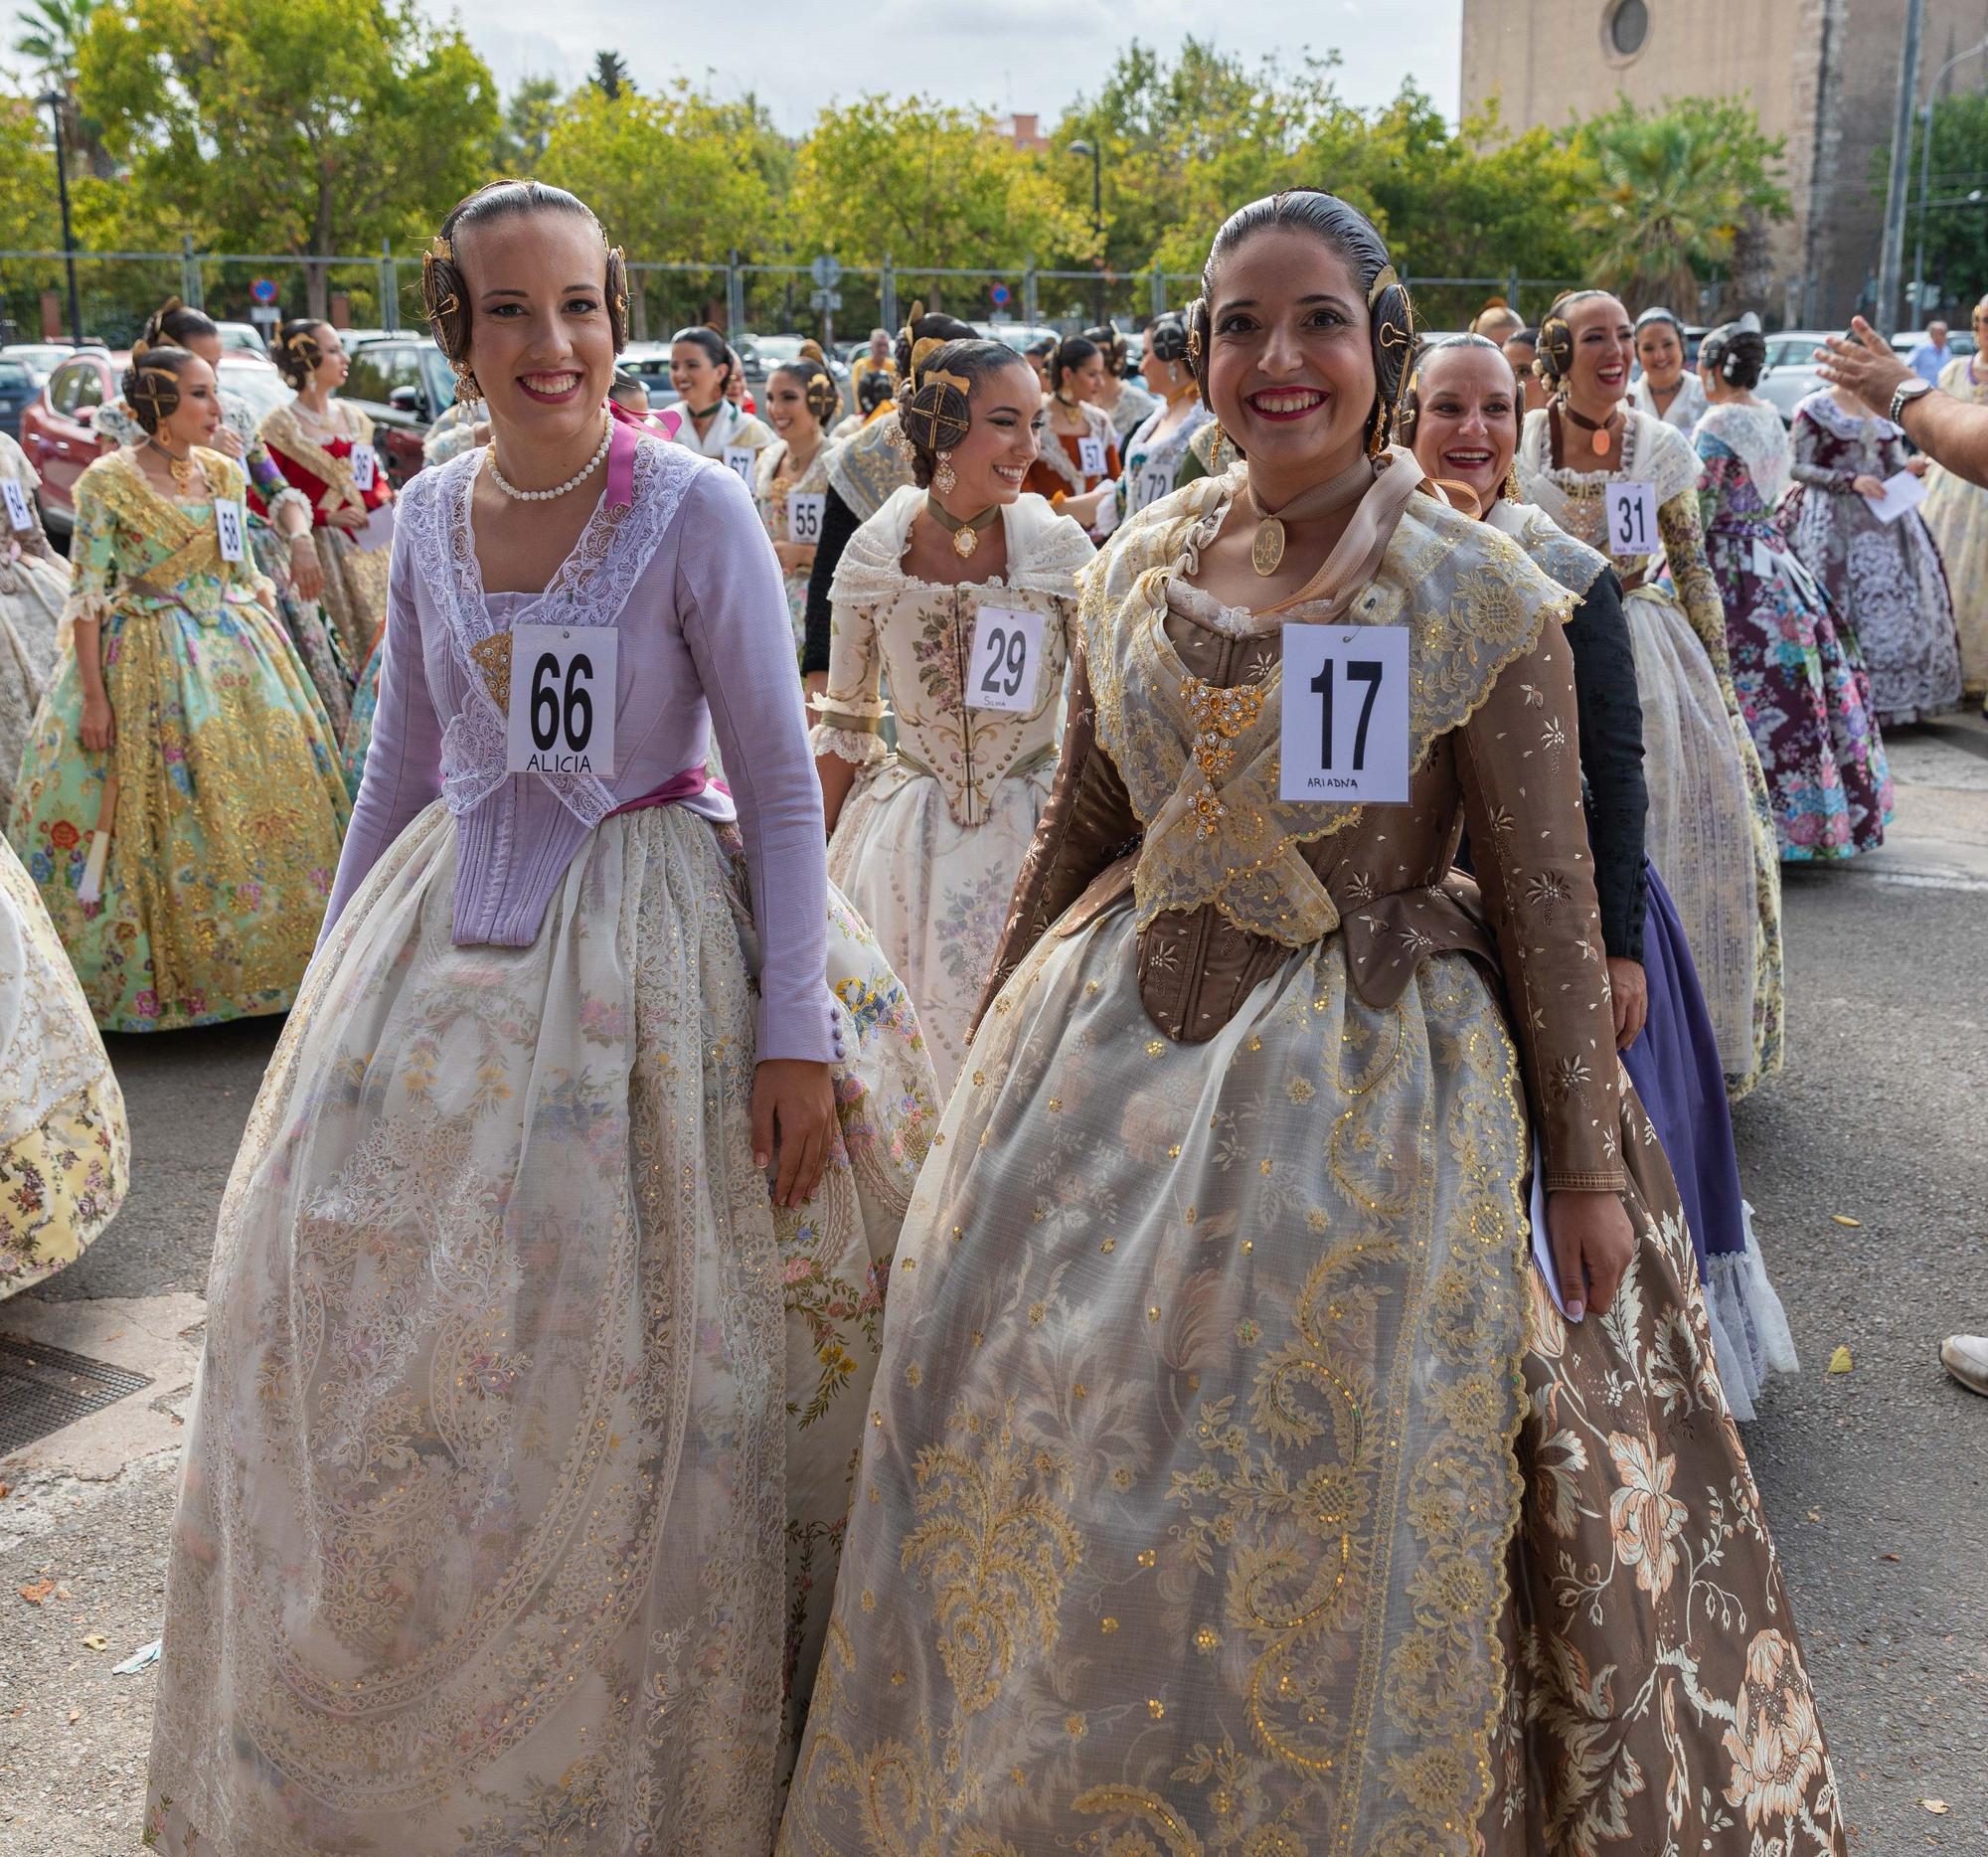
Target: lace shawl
[[869, 465], [1472, 603], [1832, 415], [1760, 440], [590, 589], [1046, 551], [1574, 565]]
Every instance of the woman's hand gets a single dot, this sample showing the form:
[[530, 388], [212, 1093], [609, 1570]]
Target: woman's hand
[[349, 518], [1631, 993], [1867, 485], [1918, 463], [307, 573], [795, 557], [1592, 1243], [793, 1119], [100, 725], [228, 442]]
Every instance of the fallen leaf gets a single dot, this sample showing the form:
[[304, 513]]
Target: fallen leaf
[[35, 1591], [4, 1491], [1840, 1362], [75, 1716], [1937, 1806], [1888, 1557], [96, 1641], [1813, 1516], [1843, 1218], [63, 1592]]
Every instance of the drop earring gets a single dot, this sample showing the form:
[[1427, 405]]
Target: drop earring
[[943, 479]]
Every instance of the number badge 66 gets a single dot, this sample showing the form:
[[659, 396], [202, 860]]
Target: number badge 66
[[561, 716]]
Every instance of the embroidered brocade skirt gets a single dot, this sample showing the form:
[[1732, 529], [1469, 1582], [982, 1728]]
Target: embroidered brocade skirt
[[65, 1145], [1711, 832], [354, 599], [230, 809], [1198, 1457], [309, 625], [935, 892], [32, 593], [526, 1428]]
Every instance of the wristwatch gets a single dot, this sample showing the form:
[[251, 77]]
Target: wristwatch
[[1909, 389]]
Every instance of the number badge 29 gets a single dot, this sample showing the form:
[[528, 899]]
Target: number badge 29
[[1005, 663], [562, 717], [1345, 729]]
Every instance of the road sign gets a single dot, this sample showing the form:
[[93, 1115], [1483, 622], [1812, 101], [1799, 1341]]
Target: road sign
[[826, 272], [264, 316], [825, 300], [264, 291], [999, 295]]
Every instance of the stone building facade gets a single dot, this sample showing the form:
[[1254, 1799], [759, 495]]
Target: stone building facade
[[1823, 73]]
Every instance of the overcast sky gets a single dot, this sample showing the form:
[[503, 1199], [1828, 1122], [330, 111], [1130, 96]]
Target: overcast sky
[[1008, 55]]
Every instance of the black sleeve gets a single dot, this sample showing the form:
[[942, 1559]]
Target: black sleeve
[[837, 523], [1611, 761]]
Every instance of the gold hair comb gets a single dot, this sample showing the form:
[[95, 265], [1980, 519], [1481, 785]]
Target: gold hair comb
[[1384, 282]]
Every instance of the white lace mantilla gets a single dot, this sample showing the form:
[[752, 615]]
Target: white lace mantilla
[[590, 588]]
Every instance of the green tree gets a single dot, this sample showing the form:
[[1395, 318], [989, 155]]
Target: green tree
[[50, 38], [529, 115], [1954, 221], [1672, 191], [928, 183], [611, 75], [305, 127]]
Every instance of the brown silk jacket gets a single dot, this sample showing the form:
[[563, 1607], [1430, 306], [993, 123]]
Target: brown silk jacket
[[1493, 745]]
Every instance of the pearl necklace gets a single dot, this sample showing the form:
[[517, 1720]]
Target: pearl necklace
[[573, 482]]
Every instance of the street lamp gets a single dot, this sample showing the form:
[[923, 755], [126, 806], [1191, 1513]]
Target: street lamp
[[53, 101], [1925, 170], [1096, 152]]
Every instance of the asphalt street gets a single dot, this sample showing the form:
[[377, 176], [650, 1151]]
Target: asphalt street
[[1867, 1164]]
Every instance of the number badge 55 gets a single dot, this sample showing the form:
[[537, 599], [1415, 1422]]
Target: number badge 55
[[1345, 730], [562, 717]]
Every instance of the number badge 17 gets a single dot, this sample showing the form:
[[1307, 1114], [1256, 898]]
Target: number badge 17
[[1345, 729], [561, 716]]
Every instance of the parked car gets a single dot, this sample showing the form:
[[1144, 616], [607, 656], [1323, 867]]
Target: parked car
[[19, 389], [41, 357], [1959, 341], [649, 363], [57, 428], [403, 384], [243, 338], [1790, 376], [1019, 336]]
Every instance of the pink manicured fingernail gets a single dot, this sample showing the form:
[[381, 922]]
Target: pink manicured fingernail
[[1576, 1310], [759, 1161]]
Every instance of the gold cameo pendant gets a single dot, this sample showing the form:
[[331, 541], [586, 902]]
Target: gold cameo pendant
[[964, 541], [1268, 548]]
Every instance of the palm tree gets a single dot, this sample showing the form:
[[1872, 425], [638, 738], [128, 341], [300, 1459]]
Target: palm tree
[[1670, 194], [51, 35]]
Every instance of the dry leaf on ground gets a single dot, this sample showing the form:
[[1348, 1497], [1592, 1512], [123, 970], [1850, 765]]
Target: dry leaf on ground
[[1840, 1362]]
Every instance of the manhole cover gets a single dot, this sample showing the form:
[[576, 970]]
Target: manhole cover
[[44, 1389]]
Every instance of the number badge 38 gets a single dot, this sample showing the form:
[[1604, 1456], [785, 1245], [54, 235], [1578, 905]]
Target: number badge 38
[[562, 717]]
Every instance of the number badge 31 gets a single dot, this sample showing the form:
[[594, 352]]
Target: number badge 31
[[562, 717], [1345, 728]]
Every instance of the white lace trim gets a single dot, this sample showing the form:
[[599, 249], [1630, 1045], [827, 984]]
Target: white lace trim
[[591, 587], [1760, 440], [1749, 1329]]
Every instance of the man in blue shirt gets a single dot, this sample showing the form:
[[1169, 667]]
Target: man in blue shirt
[[1931, 355]]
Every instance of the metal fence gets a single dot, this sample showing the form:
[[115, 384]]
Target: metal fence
[[117, 290]]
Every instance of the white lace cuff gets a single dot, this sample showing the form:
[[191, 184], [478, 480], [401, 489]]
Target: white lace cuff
[[859, 747], [283, 499]]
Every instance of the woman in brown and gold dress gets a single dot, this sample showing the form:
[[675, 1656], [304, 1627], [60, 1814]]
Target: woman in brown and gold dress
[[1233, 1482]]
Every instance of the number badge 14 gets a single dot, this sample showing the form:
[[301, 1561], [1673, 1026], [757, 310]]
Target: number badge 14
[[1345, 728], [562, 717]]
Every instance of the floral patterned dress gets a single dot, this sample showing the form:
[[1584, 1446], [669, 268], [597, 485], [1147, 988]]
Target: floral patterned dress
[[228, 803], [64, 1146], [34, 585], [1801, 682], [1885, 580], [1710, 826], [355, 577], [932, 835], [1234, 1485], [1956, 512]]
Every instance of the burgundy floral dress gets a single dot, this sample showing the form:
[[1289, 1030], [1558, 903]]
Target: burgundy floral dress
[[1801, 681]]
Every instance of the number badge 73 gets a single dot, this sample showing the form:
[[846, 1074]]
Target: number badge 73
[[1345, 728]]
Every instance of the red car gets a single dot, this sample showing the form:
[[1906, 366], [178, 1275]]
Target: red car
[[58, 430]]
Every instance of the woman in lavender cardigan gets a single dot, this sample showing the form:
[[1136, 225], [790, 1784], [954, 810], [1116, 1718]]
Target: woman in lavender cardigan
[[548, 1283]]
